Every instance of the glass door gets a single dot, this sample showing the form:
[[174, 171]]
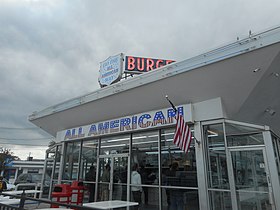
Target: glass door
[[112, 177], [251, 179], [47, 181]]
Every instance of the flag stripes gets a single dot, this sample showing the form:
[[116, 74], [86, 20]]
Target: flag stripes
[[182, 136]]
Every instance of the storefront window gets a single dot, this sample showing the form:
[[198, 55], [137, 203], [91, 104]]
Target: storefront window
[[88, 165], [238, 135], [71, 161], [145, 154], [220, 200], [50, 178], [217, 163], [115, 145], [276, 148], [88, 157], [53, 157], [180, 199], [244, 140], [51, 152], [178, 170], [178, 167], [236, 129]]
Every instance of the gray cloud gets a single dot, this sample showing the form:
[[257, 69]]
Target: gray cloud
[[50, 50]]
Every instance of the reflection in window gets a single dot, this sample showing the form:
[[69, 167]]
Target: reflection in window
[[88, 167], [233, 129], [276, 148], [240, 135], [249, 170], [71, 161], [54, 156], [88, 160], [51, 152], [253, 200], [217, 164], [178, 167], [115, 145], [178, 170], [245, 140], [145, 153], [220, 200], [50, 178]]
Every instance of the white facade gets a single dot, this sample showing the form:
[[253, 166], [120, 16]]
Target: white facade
[[234, 106]]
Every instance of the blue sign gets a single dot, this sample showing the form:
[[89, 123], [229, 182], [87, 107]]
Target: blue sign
[[111, 70], [141, 121]]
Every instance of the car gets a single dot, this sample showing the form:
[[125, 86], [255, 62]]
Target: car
[[32, 178], [9, 185]]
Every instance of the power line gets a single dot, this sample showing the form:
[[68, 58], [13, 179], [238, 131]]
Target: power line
[[10, 128], [19, 144], [32, 149], [15, 139]]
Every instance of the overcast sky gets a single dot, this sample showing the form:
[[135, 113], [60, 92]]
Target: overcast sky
[[50, 49]]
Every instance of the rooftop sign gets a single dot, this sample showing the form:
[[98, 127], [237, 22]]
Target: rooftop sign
[[111, 70], [140, 65]]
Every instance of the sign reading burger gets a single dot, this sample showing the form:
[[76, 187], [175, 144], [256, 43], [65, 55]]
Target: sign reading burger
[[111, 70], [140, 65]]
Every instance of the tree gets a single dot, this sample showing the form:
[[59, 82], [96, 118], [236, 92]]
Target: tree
[[6, 156]]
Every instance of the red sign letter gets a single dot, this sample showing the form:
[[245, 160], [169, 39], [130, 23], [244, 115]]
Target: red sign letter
[[169, 61], [159, 63], [150, 64], [140, 67], [130, 63]]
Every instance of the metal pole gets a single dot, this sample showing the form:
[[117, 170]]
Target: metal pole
[[22, 200]]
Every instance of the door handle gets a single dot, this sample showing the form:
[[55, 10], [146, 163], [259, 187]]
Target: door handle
[[268, 180]]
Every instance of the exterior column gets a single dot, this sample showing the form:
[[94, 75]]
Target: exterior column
[[273, 171], [201, 168]]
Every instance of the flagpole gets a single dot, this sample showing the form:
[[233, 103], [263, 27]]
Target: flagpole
[[175, 109], [173, 106]]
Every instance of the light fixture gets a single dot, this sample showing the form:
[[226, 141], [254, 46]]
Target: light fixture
[[256, 70], [275, 74], [270, 111]]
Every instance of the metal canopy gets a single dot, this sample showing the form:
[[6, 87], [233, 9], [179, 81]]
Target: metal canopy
[[245, 74]]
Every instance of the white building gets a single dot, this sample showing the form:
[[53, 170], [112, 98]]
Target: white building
[[230, 99]]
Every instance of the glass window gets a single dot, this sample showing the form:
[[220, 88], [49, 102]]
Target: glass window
[[50, 178], [88, 157], [71, 161], [276, 148], [178, 167], [216, 156], [245, 140], [249, 170], [88, 167], [220, 200], [53, 156], [180, 199], [178, 170], [51, 152], [253, 200], [240, 135], [145, 154], [233, 129], [115, 145]]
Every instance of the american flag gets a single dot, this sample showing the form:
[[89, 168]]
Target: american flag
[[182, 136]]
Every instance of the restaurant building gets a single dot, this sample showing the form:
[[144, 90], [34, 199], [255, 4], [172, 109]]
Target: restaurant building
[[230, 99]]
